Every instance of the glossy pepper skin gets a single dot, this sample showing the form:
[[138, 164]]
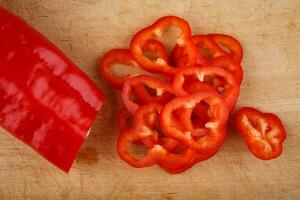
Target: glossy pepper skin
[[264, 133], [45, 100]]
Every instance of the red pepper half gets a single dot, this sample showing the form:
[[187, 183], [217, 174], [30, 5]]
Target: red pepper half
[[229, 87], [45, 100], [209, 138], [156, 30], [264, 133], [162, 91], [229, 43]]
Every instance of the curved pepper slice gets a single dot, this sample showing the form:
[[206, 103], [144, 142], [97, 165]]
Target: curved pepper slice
[[114, 56], [264, 133], [123, 56], [229, 64], [229, 89], [207, 48], [156, 30], [231, 44], [162, 89], [46, 101], [214, 132]]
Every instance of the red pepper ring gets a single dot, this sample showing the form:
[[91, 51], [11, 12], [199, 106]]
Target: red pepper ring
[[146, 120], [229, 64], [112, 57], [156, 30], [230, 43], [209, 51], [230, 90], [215, 128], [264, 133], [123, 56], [130, 136], [125, 120], [157, 48], [163, 90]]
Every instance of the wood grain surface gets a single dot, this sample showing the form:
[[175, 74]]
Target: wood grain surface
[[85, 29]]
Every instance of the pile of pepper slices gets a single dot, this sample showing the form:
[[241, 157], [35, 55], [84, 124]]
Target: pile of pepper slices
[[180, 111]]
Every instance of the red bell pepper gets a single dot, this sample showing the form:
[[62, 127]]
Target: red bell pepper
[[229, 87], [163, 91], [156, 30], [146, 128], [229, 64], [123, 56], [210, 137], [264, 133], [230, 44], [45, 100], [207, 48], [112, 57]]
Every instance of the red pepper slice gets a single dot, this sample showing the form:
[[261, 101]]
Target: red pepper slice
[[264, 133], [144, 124], [208, 50], [214, 132], [123, 56], [229, 89], [229, 64], [125, 120], [45, 100], [114, 56], [162, 89], [231, 44], [155, 31]]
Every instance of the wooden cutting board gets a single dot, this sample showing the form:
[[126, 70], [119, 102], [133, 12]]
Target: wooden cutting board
[[84, 30]]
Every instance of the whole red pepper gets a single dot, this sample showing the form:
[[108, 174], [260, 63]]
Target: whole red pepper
[[45, 100]]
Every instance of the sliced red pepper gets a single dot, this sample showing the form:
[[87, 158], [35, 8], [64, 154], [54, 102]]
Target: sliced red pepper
[[123, 56], [156, 30], [144, 124], [229, 64], [264, 133], [45, 100], [229, 89], [208, 50], [114, 56], [229, 43], [214, 132], [162, 89]]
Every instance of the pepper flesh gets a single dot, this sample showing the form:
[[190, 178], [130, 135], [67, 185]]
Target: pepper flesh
[[229, 84], [124, 57], [214, 130], [162, 89], [264, 133], [156, 30], [231, 44], [45, 100]]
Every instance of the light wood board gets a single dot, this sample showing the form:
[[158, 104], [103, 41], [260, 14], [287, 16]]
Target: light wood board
[[84, 30]]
